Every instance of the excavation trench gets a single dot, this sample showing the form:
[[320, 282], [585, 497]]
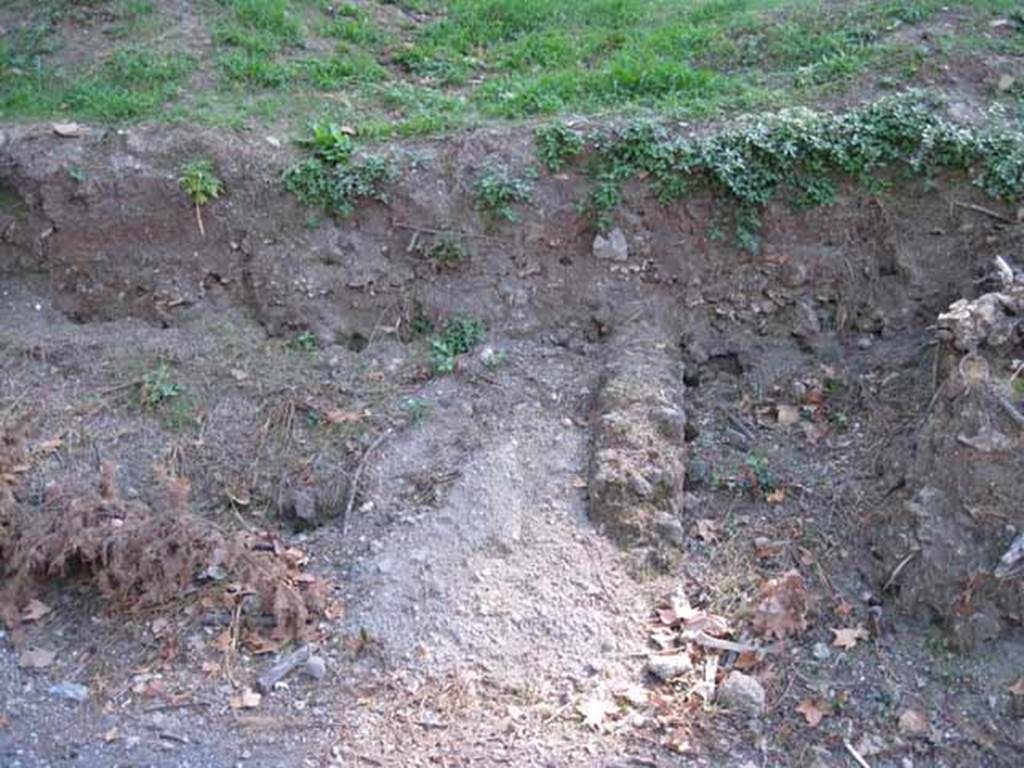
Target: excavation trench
[[624, 391]]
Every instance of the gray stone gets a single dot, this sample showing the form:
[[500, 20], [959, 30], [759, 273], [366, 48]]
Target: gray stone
[[794, 274], [315, 667], [613, 247], [697, 472], [821, 651], [671, 422], [742, 692], [671, 530], [667, 668], [805, 321], [70, 691]]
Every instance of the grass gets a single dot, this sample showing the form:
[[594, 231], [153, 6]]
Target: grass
[[291, 62]]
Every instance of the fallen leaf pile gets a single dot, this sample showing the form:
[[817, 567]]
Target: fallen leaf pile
[[782, 606], [139, 556]]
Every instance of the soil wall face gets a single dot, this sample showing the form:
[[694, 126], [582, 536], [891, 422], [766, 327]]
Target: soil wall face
[[104, 217]]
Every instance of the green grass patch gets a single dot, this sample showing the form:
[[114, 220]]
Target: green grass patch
[[454, 63]]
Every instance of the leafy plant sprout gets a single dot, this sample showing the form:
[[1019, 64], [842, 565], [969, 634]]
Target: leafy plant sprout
[[201, 184]]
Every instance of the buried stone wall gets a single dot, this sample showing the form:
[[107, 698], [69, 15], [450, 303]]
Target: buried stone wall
[[638, 450]]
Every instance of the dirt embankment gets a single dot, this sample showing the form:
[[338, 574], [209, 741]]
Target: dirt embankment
[[648, 365]]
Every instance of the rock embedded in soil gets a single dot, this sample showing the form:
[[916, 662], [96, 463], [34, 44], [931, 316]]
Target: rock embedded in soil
[[315, 667], [743, 693], [612, 247], [667, 668], [70, 691]]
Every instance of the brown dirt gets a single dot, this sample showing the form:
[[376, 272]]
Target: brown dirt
[[483, 606]]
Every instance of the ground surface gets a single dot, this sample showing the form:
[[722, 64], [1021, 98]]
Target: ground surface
[[483, 610], [410, 68]]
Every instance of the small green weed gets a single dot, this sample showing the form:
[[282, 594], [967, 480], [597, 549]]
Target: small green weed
[[331, 179], [337, 188], [158, 387], [444, 249], [416, 409], [758, 477], [556, 145], [493, 359], [498, 189], [459, 335], [200, 182], [329, 142], [306, 341], [447, 253]]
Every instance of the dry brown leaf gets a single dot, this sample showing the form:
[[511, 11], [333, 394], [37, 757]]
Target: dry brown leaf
[[159, 625], [258, 645], [748, 660], [49, 446], [776, 497], [843, 608], [1017, 689], [247, 699], [787, 415], [595, 709], [849, 637], [707, 529], [813, 710], [709, 623], [913, 722], [782, 608], [222, 642], [37, 658], [338, 416], [35, 610]]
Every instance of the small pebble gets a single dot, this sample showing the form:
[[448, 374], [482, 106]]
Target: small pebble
[[667, 668], [70, 691], [821, 651], [315, 667]]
